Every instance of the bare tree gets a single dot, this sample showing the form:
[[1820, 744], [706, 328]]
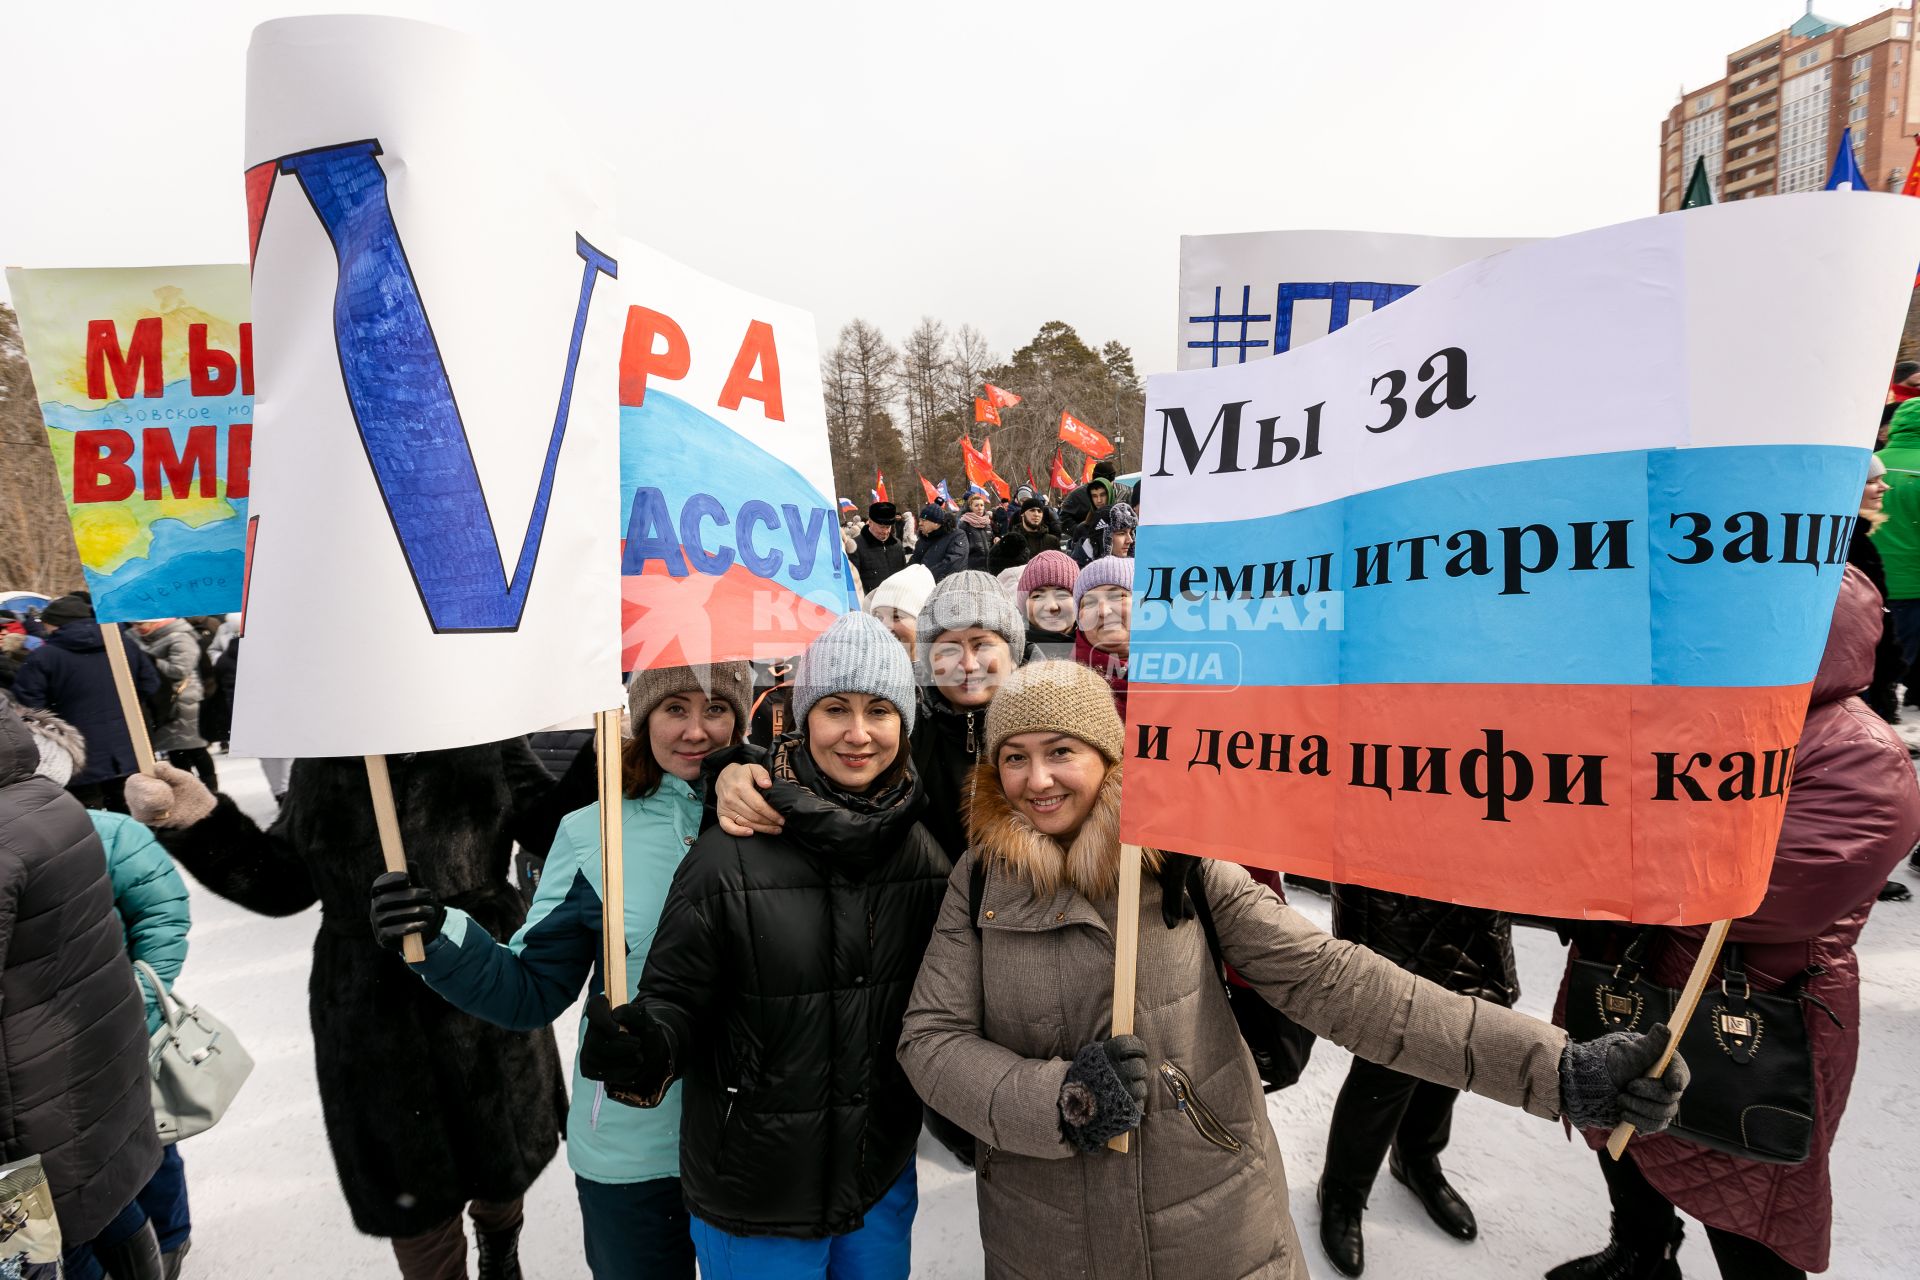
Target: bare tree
[[36, 539], [862, 378], [923, 387]]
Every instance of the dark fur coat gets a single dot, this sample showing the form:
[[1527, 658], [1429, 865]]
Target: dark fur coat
[[426, 1108]]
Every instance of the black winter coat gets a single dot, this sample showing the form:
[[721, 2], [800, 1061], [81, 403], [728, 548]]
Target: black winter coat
[[426, 1107], [947, 743], [1020, 546], [944, 554], [69, 676], [1464, 949], [216, 711], [876, 561], [979, 544], [781, 970], [73, 1027]]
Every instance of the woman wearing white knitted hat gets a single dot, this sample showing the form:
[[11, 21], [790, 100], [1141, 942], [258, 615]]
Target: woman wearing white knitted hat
[[1009, 1032], [775, 986]]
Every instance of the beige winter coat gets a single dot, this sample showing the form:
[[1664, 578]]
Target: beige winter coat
[[996, 1016]]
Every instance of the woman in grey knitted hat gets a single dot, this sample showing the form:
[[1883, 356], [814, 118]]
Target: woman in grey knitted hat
[[775, 987], [626, 1162]]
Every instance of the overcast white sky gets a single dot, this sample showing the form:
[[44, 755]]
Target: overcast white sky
[[1003, 162]]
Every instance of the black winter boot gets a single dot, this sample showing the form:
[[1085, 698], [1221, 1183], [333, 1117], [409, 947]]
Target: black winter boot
[[135, 1258], [1622, 1261], [499, 1254], [170, 1262], [1449, 1211], [1340, 1213]]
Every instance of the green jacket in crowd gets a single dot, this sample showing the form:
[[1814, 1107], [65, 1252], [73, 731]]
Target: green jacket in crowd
[[1898, 538]]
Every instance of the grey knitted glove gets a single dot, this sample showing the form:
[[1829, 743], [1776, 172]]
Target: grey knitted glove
[[1605, 1081], [1105, 1092]]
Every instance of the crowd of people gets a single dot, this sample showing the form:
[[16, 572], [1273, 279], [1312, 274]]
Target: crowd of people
[[867, 890]]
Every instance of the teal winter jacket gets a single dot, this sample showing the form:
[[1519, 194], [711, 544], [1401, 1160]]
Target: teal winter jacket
[[149, 896], [533, 979]]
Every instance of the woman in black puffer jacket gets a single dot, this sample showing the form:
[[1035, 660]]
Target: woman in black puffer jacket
[[777, 982], [1464, 949]]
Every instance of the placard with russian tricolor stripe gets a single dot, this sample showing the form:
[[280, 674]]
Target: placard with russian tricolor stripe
[[1512, 594], [730, 544]]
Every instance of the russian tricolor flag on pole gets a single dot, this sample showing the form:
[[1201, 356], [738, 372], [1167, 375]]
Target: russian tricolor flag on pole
[[1512, 594]]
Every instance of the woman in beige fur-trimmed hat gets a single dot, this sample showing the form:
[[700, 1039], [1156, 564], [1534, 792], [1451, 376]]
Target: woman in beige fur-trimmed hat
[[1008, 1032]]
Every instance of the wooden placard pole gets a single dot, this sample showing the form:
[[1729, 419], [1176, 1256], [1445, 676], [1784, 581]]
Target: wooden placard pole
[[613, 866], [129, 696], [387, 819], [1682, 1015], [1126, 954]]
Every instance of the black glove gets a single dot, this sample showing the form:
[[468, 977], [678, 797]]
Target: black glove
[[401, 907], [1105, 1092], [1605, 1081], [627, 1050]]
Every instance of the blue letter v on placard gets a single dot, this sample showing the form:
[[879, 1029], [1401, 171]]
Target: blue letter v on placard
[[403, 402]]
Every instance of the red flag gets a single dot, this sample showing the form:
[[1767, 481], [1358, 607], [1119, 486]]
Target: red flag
[[1031, 482], [983, 411], [986, 449], [1083, 437], [933, 495], [1086, 472], [1061, 480], [1001, 399], [979, 469], [1912, 187], [880, 485]]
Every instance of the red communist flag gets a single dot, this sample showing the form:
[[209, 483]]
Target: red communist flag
[[983, 411], [1031, 482], [1912, 187], [1061, 480], [1000, 399], [880, 485], [933, 494], [1086, 472], [974, 463], [979, 469], [1083, 437], [986, 449]]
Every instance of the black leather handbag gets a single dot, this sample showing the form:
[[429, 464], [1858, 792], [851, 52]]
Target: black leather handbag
[[1752, 1093]]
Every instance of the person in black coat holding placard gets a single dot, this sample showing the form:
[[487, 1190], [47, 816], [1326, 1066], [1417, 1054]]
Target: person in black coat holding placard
[[428, 1110]]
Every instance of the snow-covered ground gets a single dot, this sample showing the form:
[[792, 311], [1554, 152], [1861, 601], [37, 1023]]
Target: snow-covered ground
[[266, 1202]]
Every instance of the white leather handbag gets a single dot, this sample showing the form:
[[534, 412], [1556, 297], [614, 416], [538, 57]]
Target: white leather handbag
[[197, 1064]]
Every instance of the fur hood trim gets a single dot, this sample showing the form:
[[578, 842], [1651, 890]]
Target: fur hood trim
[[50, 730], [1000, 836]]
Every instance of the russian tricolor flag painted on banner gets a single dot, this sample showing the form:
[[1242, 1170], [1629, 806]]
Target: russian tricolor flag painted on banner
[[730, 547], [1512, 594]]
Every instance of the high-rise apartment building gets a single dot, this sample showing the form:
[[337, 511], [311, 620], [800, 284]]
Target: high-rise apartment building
[[1773, 123]]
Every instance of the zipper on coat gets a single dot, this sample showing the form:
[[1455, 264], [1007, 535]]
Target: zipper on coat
[[1179, 1086], [972, 749], [870, 928]]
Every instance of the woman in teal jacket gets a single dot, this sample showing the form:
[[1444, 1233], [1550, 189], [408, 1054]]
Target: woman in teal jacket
[[626, 1161]]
